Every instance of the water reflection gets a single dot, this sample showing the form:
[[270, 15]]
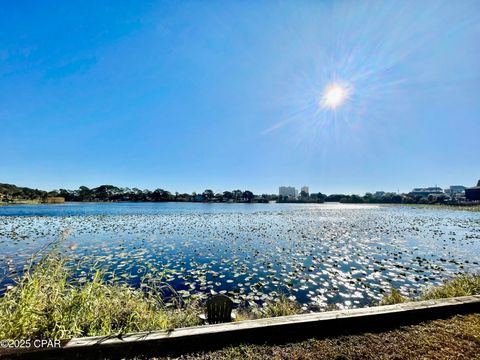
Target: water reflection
[[347, 255]]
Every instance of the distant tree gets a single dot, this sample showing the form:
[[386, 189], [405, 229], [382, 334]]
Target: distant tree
[[248, 196], [146, 195], [161, 195], [208, 194], [185, 197], [270, 197], [395, 198], [318, 197], [227, 195], [356, 199], [10, 192], [84, 193], [335, 197], [106, 192], [237, 194], [68, 195], [352, 199]]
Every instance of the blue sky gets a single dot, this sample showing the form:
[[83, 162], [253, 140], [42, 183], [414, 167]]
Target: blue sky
[[224, 95]]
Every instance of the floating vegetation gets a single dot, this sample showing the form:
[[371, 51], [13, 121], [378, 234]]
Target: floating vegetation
[[47, 303], [318, 255]]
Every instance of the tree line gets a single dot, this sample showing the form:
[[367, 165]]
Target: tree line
[[390, 198], [368, 198], [106, 193]]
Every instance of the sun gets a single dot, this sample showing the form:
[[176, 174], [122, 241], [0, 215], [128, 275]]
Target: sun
[[334, 96]]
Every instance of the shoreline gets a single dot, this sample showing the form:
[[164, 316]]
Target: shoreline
[[464, 207]]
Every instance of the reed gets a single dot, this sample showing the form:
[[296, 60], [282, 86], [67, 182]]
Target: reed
[[48, 302], [461, 285]]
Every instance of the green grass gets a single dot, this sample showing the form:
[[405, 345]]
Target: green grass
[[44, 304], [47, 303], [281, 306], [462, 285], [394, 297]]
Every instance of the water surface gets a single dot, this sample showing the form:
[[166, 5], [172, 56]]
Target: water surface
[[319, 254]]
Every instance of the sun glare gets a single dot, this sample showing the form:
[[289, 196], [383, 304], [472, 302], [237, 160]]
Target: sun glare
[[334, 96]]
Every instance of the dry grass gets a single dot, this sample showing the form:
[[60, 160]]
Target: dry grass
[[454, 338]]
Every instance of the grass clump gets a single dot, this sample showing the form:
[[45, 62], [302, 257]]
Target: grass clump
[[48, 302], [462, 285], [282, 306], [45, 304], [394, 297]]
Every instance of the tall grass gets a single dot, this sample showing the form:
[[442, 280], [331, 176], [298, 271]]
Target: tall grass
[[282, 306], [461, 285], [45, 304], [394, 297]]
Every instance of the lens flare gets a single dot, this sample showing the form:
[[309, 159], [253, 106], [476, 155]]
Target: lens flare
[[334, 96]]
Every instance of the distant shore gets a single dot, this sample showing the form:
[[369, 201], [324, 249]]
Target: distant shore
[[464, 207], [10, 193]]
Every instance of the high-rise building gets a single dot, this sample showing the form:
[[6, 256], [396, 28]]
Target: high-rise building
[[305, 189], [287, 191]]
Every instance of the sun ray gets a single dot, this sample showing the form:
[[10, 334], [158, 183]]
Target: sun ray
[[334, 95]]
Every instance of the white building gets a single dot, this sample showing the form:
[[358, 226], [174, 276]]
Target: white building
[[424, 192], [457, 190], [287, 191], [305, 189]]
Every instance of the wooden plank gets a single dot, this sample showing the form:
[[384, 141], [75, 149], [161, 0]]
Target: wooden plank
[[263, 330]]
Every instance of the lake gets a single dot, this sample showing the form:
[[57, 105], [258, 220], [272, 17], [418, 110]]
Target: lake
[[318, 254]]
